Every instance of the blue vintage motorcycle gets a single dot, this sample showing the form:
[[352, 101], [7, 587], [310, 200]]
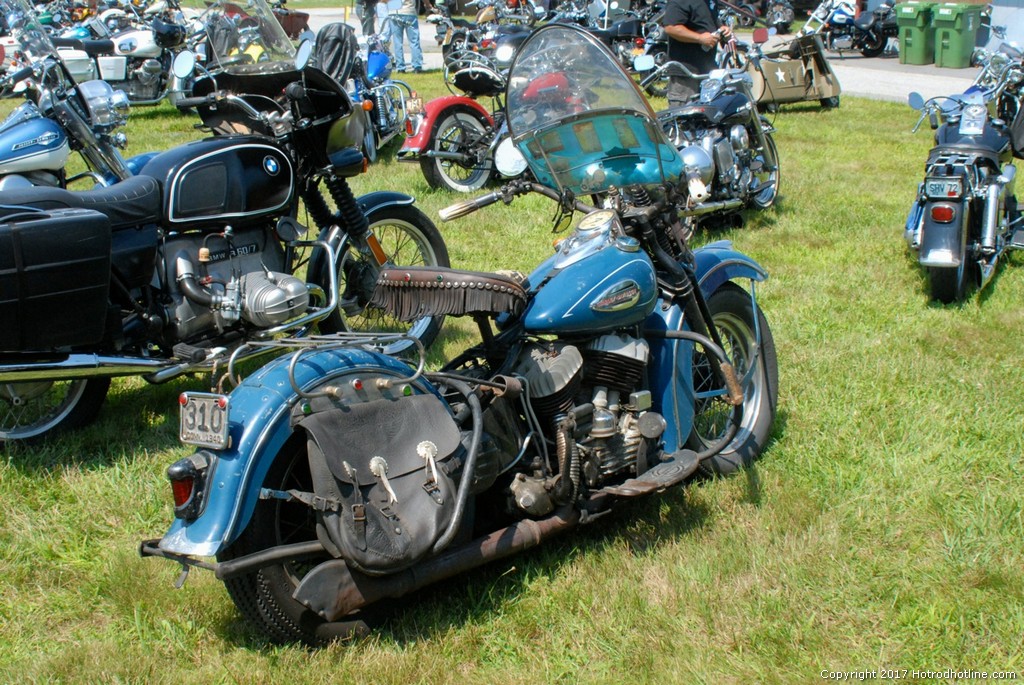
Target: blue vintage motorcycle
[[336, 476]]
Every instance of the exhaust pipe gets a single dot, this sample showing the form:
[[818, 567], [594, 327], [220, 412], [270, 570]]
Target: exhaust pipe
[[78, 366], [333, 590], [708, 207]]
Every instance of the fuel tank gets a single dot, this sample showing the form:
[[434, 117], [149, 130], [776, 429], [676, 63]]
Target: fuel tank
[[29, 142], [225, 179], [598, 280], [378, 66]]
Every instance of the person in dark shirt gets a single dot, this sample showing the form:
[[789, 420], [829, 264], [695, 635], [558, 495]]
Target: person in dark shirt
[[690, 26]]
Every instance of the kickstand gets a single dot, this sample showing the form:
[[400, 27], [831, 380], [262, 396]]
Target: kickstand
[[185, 568]]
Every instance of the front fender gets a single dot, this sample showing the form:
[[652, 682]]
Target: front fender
[[718, 263], [258, 425], [417, 143]]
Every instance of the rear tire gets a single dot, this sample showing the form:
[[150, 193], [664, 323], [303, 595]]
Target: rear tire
[[758, 370], [264, 597], [31, 411], [408, 238], [463, 130], [949, 284], [875, 45]]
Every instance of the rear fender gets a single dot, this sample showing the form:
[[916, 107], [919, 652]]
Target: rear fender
[[419, 141], [671, 376], [259, 425], [942, 242]]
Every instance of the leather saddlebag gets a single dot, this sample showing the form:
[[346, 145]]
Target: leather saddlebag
[[383, 475]]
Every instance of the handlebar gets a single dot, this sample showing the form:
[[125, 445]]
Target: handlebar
[[506, 194]]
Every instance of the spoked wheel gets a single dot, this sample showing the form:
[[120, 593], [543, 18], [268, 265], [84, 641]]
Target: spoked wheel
[[768, 177], [464, 132], [408, 238], [757, 369], [31, 411], [264, 597]]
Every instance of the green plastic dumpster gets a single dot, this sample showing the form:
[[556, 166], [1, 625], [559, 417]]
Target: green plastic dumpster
[[917, 36], [956, 30]]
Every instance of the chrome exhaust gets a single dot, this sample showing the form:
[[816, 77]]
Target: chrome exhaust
[[75, 366]]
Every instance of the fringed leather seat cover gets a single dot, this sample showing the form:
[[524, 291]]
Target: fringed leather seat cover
[[409, 293]]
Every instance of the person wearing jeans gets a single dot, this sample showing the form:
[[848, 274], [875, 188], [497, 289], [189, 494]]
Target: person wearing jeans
[[405, 22]]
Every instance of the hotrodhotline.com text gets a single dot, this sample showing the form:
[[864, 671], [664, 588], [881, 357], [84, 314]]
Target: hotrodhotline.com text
[[946, 674]]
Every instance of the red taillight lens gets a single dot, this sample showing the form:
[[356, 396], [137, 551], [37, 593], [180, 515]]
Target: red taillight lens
[[182, 490], [638, 42], [943, 213], [409, 130]]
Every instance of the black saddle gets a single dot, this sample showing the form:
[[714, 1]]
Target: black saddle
[[134, 202]]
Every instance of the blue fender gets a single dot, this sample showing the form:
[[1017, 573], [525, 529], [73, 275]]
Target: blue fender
[[671, 361], [258, 426]]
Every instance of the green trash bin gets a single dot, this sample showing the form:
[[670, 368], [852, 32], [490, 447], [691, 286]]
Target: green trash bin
[[956, 30], [917, 36]]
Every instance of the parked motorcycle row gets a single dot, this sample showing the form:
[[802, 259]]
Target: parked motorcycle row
[[344, 471]]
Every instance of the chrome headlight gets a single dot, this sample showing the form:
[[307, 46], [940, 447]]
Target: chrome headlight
[[107, 108]]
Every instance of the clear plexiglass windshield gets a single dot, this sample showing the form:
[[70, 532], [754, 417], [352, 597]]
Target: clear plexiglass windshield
[[580, 120], [21, 24], [242, 36]]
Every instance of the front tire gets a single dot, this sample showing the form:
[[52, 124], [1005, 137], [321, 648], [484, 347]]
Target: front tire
[[732, 314], [31, 411], [408, 238], [768, 179], [370, 141], [459, 130]]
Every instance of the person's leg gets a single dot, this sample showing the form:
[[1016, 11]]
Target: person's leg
[[397, 42], [416, 51]]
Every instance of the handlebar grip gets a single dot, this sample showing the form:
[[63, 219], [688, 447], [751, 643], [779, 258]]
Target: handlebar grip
[[460, 209], [193, 101], [20, 75]]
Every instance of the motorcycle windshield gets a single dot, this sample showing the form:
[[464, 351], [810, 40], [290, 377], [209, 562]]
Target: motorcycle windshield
[[580, 120], [243, 37], [22, 24]]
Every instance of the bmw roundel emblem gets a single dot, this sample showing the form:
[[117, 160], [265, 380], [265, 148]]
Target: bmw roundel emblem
[[270, 165]]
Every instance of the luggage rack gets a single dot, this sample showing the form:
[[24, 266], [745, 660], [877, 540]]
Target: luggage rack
[[370, 340]]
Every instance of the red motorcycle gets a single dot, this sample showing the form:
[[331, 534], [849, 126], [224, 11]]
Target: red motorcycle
[[455, 138]]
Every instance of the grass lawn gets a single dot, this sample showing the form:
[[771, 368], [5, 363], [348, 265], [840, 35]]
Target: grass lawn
[[882, 528]]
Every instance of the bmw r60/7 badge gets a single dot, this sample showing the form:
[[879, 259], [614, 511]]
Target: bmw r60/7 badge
[[270, 165]]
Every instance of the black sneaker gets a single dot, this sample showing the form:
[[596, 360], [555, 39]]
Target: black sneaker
[[417, 70]]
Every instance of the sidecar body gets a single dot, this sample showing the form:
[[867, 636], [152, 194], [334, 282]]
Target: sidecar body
[[795, 72]]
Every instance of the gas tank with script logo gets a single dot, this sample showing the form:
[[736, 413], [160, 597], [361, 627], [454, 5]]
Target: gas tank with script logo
[[225, 179], [598, 280], [29, 141]]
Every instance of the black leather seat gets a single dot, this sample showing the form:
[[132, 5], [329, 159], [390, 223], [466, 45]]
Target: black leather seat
[[134, 202]]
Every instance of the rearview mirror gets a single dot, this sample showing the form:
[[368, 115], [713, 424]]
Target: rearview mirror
[[184, 64], [643, 63], [761, 36], [916, 100], [303, 54]]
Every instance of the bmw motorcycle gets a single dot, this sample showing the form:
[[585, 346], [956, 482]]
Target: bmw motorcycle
[[842, 29], [173, 268], [625, 363], [731, 161], [966, 213]]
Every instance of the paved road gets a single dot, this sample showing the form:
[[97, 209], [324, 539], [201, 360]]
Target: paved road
[[880, 78]]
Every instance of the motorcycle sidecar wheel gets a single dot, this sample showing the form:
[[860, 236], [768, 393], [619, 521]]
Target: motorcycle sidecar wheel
[[408, 238], [264, 597], [765, 198], [874, 44], [33, 410], [758, 370], [458, 130], [830, 103]]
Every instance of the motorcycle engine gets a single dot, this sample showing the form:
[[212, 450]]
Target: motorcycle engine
[[144, 79], [239, 278], [598, 384]]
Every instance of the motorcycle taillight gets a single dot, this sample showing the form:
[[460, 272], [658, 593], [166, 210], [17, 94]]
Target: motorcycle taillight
[[188, 479], [943, 213]]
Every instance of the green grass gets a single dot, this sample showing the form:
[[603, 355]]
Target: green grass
[[882, 527]]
